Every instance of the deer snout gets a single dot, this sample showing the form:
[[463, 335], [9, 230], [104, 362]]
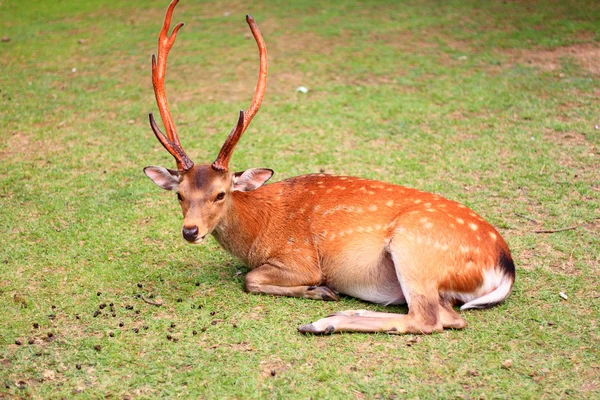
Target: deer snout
[[190, 233]]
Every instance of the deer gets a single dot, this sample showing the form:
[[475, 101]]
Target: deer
[[319, 236]]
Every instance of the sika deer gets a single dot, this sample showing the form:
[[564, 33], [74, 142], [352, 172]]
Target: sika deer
[[315, 236]]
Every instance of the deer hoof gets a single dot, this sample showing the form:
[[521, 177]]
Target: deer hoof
[[310, 328]]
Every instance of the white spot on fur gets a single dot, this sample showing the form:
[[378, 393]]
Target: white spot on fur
[[418, 201], [389, 203], [460, 220], [372, 207], [493, 236], [464, 249], [473, 226]]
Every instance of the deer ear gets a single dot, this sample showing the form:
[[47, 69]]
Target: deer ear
[[167, 179], [251, 179]]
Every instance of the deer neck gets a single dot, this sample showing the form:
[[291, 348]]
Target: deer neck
[[237, 232]]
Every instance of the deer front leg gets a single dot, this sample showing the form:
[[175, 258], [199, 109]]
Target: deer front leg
[[277, 281]]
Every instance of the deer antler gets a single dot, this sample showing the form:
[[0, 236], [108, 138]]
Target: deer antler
[[222, 161], [171, 141]]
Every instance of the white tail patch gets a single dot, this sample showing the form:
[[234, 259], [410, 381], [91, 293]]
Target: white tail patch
[[492, 278]]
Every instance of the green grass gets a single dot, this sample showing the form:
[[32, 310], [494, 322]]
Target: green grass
[[493, 104]]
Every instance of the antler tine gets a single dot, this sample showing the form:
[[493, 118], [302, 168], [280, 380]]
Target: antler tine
[[159, 68], [222, 161]]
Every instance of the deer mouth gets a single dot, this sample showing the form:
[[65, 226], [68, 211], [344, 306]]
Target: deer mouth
[[198, 240]]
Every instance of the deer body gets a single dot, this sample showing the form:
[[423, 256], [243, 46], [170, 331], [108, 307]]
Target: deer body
[[318, 235]]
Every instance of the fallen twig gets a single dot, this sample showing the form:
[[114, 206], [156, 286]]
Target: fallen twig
[[154, 303], [526, 217], [570, 228]]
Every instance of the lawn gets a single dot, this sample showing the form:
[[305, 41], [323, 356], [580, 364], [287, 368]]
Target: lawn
[[494, 104]]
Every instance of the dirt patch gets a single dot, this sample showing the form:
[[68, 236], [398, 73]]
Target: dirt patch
[[586, 55], [21, 144]]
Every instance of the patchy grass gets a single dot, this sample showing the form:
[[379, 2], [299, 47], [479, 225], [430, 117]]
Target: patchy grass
[[492, 104]]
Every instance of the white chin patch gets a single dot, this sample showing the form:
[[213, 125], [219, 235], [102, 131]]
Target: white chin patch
[[199, 240]]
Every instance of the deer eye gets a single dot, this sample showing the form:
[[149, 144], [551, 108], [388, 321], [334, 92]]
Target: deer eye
[[179, 197], [220, 196]]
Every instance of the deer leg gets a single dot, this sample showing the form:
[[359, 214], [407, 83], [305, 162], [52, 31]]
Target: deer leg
[[276, 281], [448, 317], [422, 318], [426, 314]]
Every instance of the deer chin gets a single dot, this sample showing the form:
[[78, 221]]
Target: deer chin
[[199, 240]]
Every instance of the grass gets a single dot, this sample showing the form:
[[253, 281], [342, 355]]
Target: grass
[[493, 104]]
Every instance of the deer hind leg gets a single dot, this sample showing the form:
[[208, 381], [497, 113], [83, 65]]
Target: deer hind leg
[[427, 313], [278, 281], [425, 320], [448, 317]]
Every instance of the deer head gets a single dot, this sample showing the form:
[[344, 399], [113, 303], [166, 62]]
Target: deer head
[[204, 191]]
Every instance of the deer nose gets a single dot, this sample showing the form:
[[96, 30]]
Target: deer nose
[[190, 233]]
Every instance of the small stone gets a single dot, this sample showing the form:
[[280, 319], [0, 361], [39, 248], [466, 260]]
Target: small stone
[[36, 325], [98, 293], [273, 372], [96, 313], [78, 366], [197, 283], [176, 339], [97, 347], [18, 342], [102, 306], [112, 304], [5, 39], [50, 334], [53, 306], [121, 324], [203, 329], [52, 316], [179, 300], [213, 322], [31, 341], [111, 334], [145, 327], [129, 307], [136, 330], [212, 313], [169, 337], [194, 332], [173, 325], [140, 285], [506, 364]]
